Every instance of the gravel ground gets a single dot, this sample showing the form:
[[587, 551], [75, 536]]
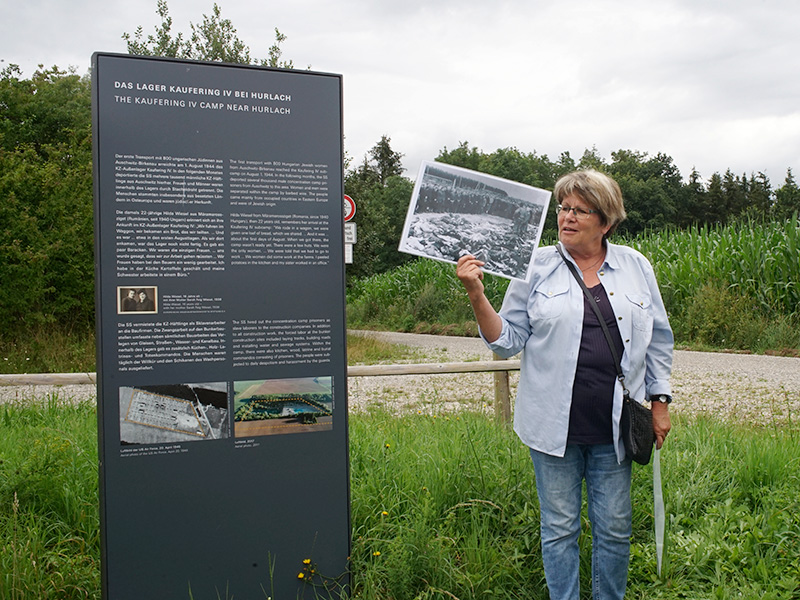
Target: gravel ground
[[737, 387]]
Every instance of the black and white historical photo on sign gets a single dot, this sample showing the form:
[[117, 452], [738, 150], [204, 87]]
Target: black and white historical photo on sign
[[278, 406], [186, 412], [456, 211], [137, 299]]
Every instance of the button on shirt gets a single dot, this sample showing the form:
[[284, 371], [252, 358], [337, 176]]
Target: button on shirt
[[543, 319]]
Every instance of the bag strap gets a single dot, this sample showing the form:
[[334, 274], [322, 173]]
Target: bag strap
[[600, 318]]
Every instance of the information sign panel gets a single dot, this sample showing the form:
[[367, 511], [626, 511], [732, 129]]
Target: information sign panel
[[220, 309]]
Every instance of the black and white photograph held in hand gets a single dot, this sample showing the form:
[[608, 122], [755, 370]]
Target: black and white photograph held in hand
[[456, 211]]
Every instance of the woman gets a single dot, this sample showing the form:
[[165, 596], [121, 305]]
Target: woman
[[129, 302], [145, 304], [569, 400]]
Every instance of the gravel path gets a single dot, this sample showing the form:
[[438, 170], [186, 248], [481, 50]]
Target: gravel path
[[741, 387]]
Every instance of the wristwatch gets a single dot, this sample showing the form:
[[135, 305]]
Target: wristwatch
[[663, 398]]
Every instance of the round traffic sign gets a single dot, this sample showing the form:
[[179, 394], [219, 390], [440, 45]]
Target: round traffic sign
[[349, 208]]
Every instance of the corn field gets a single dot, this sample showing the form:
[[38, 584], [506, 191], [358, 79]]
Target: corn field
[[759, 261]]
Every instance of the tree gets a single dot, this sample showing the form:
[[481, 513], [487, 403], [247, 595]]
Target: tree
[[735, 195], [690, 207], [381, 214], [160, 44], [591, 159], [386, 162], [759, 196], [714, 208], [651, 187], [508, 163], [462, 156], [51, 107], [46, 213], [383, 195], [215, 39], [46, 239], [787, 198], [565, 164]]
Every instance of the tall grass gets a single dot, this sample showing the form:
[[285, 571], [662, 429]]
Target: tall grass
[[49, 524], [729, 287], [49, 350], [443, 506], [422, 296]]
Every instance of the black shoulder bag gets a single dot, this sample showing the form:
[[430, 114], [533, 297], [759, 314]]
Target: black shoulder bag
[[636, 424]]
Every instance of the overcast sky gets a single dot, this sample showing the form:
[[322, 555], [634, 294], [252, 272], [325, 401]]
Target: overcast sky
[[713, 83]]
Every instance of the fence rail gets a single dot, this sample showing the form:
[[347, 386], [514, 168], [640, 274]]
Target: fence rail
[[500, 368], [49, 379]]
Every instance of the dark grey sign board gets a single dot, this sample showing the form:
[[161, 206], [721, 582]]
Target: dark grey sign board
[[222, 375]]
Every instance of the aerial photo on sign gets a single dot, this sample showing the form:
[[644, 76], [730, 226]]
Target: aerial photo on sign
[[456, 211], [173, 413], [278, 406]]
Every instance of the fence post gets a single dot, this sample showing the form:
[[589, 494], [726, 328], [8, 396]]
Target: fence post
[[502, 395]]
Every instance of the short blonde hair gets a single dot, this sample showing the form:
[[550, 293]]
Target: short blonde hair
[[596, 189]]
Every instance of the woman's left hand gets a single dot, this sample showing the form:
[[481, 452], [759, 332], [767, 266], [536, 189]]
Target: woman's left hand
[[661, 422]]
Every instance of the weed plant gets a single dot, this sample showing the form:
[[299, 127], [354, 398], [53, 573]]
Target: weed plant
[[443, 506]]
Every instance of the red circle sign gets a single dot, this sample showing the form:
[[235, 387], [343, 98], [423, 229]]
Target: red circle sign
[[349, 208]]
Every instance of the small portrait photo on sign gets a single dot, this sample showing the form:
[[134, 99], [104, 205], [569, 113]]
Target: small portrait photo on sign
[[131, 299], [278, 406], [185, 412]]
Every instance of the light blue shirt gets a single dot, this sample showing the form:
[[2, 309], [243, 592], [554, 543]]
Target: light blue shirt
[[543, 318]]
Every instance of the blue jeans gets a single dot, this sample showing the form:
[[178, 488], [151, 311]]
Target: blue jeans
[[608, 486]]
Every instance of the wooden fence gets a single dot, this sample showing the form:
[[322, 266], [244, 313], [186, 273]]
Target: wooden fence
[[500, 368]]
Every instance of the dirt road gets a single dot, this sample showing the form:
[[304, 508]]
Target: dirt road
[[747, 388]]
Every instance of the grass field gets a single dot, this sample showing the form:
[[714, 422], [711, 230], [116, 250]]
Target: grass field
[[443, 506]]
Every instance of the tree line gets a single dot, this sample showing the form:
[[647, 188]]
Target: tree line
[[656, 194]]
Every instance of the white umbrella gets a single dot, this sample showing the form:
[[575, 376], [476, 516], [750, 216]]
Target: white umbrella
[[658, 508]]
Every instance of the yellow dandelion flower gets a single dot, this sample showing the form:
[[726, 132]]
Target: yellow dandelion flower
[[376, 553], [385, 514]]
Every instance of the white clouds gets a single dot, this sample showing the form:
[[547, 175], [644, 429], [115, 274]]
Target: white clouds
[[711, 83]]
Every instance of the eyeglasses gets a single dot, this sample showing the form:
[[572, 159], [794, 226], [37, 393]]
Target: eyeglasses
[[580, 213]]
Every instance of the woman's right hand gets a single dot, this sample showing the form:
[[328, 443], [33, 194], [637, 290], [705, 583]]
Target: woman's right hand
[[468, 270]]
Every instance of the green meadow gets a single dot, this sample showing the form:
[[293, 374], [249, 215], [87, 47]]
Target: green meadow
[[443, 506]]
